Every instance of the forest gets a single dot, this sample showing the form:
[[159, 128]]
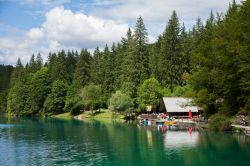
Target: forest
[[209, 63]]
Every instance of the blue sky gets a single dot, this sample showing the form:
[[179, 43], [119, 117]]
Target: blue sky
[[32, 26]]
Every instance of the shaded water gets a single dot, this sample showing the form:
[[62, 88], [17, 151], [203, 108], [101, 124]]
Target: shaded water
[[71, 142]]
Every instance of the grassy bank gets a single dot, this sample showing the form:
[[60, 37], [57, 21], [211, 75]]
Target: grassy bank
[[103, 115], [66, 115]]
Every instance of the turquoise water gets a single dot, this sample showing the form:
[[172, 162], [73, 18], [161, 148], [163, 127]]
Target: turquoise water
[[71, 142]]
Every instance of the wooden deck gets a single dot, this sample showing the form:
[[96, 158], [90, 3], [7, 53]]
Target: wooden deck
[[246, 128]]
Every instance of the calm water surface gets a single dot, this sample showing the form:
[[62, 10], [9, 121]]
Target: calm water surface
[[71, 142]]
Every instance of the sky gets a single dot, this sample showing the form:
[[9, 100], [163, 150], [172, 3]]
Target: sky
[[41, 26]]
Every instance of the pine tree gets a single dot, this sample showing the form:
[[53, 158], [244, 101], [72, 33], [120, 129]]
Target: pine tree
[[155, 59], [244, 58], [38, 88], [95, 70], [55, 102], [58, 67], [107, 72], [17, 94], [171, 57], [39, 61], [110, 79], [82, 72], [70, 64], [142, 55], [130, 75]]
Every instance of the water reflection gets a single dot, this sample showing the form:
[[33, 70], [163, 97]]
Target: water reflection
[[62, 142], [149, 137], [180, 139]]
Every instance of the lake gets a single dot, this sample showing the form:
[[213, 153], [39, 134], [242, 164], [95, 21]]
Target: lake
[[72, 142]]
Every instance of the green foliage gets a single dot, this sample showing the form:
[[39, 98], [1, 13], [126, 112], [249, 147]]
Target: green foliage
[[76, 108], [17, 93], [172, 60], [92, 97], [5, 74], [166, 92], [38, 88], [95, 72], [120, 102], [3, 101], [183, 91], [129, 73], [149, 93], [73, 103], [82, 72], [60, 67], [135, 65], [129, 88], [209, 62], [219, 122], [55, 101], [34, 64], [141, 57], [219, 73]]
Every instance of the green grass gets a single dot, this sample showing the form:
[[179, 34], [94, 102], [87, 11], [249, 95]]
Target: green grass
[[104, 116], [63, 116]]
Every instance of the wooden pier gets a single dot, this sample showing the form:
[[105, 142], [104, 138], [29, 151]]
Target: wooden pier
[[245, 128]]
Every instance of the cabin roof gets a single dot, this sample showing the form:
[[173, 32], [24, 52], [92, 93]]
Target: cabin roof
[[179, 104]]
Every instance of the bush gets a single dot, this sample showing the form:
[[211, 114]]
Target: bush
[[120, 102], [219, 122], [92, 97], [76, 108], [183, 91], [150, 93]]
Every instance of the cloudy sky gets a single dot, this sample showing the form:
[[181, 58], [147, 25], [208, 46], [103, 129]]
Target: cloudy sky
[[32, 26]]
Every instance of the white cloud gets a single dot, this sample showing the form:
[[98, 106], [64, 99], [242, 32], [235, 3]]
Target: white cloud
[[62, 29], [35, 33], [106, 22], [78, 29], [40, 2], [158, 10]]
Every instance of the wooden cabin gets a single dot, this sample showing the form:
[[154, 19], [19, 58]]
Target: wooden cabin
[[179, 107]]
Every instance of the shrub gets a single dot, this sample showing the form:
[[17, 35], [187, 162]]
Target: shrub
[[120, 102], [219, 122], [76, 108]]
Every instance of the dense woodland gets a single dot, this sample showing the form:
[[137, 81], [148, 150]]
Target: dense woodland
[[209, 63]]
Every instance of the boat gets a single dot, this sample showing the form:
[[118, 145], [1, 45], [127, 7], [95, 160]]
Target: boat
[[169, 123], [165, 122]]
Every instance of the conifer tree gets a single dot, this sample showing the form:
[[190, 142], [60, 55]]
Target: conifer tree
[[171, 57], [95, 67], [82, 72], [142, 55]]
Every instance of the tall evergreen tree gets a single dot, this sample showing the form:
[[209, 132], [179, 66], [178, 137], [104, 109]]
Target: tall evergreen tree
[[38, 87], [155, 59], [171, 57], [82, 72], [17, 95], [55, 102], [142, 55], [71, 64], [95, 67], [244, 57], [58, 67], [5, 75], [130, 75], [110, 73]]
